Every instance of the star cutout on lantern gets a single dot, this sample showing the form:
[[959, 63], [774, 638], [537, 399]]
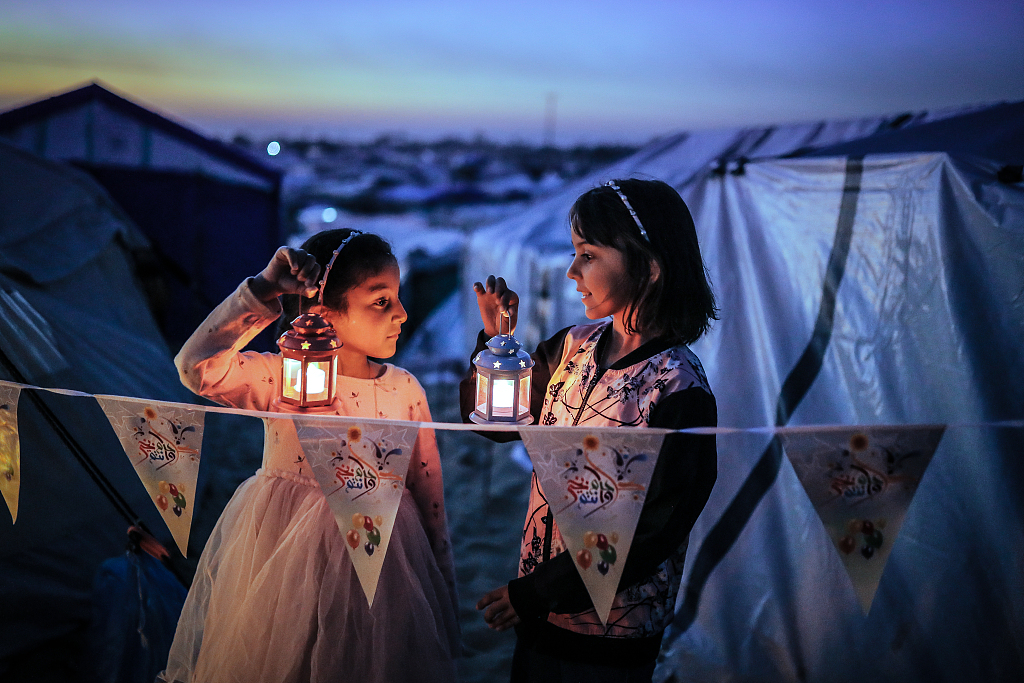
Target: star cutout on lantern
[[333, 343], [522, 363], [503, 343], [305, 345], [497, 364]]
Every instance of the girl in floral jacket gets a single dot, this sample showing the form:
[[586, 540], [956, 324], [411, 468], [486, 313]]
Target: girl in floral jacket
[[636, 260]]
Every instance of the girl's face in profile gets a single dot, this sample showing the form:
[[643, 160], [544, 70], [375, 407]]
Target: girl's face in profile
[[600, 276], [373, 321]]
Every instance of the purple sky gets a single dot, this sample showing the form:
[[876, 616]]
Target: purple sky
[[620, 71]]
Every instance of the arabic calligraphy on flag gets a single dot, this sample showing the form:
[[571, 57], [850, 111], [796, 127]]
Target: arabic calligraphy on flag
[[595, 482], [861, 482], [163, 442], [361, 469]]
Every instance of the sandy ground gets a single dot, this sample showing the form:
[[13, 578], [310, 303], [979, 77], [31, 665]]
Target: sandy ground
[[485, 492]]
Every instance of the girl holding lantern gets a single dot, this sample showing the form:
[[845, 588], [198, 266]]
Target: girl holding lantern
[[275, 596], [636, 260]]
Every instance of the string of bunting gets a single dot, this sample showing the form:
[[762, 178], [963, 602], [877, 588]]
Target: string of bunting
[[860, 479]]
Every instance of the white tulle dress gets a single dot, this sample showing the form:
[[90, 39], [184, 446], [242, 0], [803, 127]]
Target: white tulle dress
[[275, 597]]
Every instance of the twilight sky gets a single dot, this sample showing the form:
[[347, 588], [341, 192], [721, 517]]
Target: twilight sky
[[619, 71]]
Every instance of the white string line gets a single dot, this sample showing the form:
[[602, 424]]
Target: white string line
[[461, 427]]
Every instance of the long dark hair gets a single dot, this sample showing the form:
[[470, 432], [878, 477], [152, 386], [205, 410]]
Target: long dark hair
[[364, 256], [680, 303]]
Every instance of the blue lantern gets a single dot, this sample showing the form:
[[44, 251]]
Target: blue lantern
[[503, 373]]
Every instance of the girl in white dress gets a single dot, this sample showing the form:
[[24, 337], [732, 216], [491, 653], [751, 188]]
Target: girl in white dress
[[275, 597]]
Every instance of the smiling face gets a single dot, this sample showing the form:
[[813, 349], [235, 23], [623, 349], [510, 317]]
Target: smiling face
[[371, 324], [601, 278]]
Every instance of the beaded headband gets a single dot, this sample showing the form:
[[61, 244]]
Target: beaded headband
[[330, 263], [622, 196]]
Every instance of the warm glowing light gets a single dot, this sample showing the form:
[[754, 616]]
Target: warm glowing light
[[292, 378], [329, 215], [316, 380], [274, 148]]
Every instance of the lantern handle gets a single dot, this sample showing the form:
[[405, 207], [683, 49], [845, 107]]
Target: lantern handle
[[505, 314]]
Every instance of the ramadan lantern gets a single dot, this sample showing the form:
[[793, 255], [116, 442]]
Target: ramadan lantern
[[502, 381], [309, 365]]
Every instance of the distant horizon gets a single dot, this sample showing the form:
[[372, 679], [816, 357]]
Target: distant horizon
[[358, 130], [217, 127], [426, 134]]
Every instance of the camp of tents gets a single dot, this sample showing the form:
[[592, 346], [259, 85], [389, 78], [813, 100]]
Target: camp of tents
[[868, 272]]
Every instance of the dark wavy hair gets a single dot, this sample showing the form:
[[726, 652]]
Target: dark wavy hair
[[364, 256], [680, 303]]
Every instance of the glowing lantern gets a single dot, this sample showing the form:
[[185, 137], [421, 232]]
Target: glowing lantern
[[309, 356], [502, 382], [309, 365]]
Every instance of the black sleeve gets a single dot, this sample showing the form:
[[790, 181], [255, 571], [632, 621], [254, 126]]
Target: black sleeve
[[681, 484], [680, 487], [545, 359]]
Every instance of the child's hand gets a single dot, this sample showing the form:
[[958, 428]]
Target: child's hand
[[500, 614], [291, 271], [495, 298]]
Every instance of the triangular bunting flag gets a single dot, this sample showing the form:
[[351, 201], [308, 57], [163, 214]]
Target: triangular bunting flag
[[10, 447], [361, 469], [163, 443], [595, 482], [861, 482]]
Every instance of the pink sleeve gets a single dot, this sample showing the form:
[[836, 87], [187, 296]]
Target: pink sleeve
[[211, 363], [426, 484]]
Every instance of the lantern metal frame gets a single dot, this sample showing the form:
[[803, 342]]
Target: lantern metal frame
[[313, 345], [503, 361]]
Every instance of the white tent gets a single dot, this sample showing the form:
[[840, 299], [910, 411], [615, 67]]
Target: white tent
[[861, 288]]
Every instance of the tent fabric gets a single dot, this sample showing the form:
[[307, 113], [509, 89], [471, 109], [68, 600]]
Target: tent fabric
[[209, 235], [993, 133], [874, 287], [136, 603], [46, 235], [210, 211], [922, 333], [89, 307], [536, 242]]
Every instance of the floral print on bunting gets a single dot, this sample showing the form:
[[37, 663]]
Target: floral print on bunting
[[10, 447], [361, 469], [861, 482], [163, 443], [595, 481]]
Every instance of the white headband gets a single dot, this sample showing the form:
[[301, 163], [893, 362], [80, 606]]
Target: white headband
[[330, 263], [622, 196]]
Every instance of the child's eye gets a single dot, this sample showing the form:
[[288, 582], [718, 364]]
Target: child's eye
[[382, 302]]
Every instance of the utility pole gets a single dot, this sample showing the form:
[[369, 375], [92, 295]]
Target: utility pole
[[550, 113]]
